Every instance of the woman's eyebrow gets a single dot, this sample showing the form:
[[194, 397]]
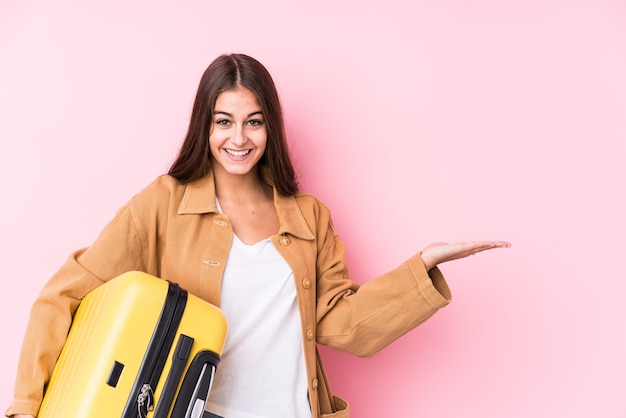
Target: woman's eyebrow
[[221, 112]]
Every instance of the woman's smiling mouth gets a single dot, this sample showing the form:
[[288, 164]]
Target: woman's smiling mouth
[[236, 153]]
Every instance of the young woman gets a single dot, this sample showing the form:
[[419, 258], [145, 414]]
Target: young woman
[[229, 224]]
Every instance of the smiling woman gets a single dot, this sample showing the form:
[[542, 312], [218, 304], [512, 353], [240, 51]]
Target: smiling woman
[[229, 224], [238, 136], [234, 72]]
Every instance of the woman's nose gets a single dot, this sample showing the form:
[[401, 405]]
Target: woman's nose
[[239, 137]]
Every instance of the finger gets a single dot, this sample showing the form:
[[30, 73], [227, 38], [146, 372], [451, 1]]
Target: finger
[[489, 244], [500, 244], [464, 249]]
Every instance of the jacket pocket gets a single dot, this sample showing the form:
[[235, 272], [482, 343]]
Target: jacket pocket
[[343, 409]]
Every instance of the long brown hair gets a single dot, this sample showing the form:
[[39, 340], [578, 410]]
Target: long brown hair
[[225, 73]]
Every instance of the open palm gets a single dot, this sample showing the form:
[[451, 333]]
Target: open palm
[[440, 252]]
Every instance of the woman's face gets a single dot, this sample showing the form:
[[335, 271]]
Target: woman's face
[[238, 134]]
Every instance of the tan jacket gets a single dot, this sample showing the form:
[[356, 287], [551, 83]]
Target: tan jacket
[[175, 232]]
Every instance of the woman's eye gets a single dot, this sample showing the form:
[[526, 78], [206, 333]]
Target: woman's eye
[[255, 122], [222, 122]]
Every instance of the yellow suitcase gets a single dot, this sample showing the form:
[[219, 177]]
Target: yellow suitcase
[[138, 347]]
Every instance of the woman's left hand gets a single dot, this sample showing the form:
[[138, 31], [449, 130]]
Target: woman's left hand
[[440, 252]]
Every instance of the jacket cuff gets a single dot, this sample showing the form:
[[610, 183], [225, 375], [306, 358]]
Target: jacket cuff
[[432, 284], [23, 407]]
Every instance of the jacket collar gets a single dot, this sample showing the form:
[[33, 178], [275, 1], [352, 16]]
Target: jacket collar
[[199, 197]]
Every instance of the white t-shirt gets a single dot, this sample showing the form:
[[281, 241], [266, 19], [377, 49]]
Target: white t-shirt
[[262, 372]]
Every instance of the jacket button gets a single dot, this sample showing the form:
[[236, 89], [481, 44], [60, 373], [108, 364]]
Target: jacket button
[[306, 283], [309, 335], [314, 383], [284, 240]]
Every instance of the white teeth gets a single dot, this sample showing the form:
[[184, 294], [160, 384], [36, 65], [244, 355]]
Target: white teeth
[[237, 153]]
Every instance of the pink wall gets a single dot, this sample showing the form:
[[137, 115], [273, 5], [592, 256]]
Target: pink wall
[[415, 121]]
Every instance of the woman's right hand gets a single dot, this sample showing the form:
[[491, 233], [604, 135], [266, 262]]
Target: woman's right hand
[[440, 252]]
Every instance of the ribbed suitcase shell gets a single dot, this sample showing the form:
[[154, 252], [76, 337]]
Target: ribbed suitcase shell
[[115, 324]]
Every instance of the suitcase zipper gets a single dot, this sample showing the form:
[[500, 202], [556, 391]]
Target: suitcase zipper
[[141, 399]]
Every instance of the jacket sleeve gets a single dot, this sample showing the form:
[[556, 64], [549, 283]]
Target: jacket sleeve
[[364, 319], [118, 249]]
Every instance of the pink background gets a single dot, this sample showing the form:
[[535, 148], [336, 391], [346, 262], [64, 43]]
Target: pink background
[[415, 121]]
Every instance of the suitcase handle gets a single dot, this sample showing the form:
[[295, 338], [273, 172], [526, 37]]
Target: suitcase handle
[[196, 386], [180, 357]]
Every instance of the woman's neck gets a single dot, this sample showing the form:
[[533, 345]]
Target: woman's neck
[[249, 204], [241, 188]]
